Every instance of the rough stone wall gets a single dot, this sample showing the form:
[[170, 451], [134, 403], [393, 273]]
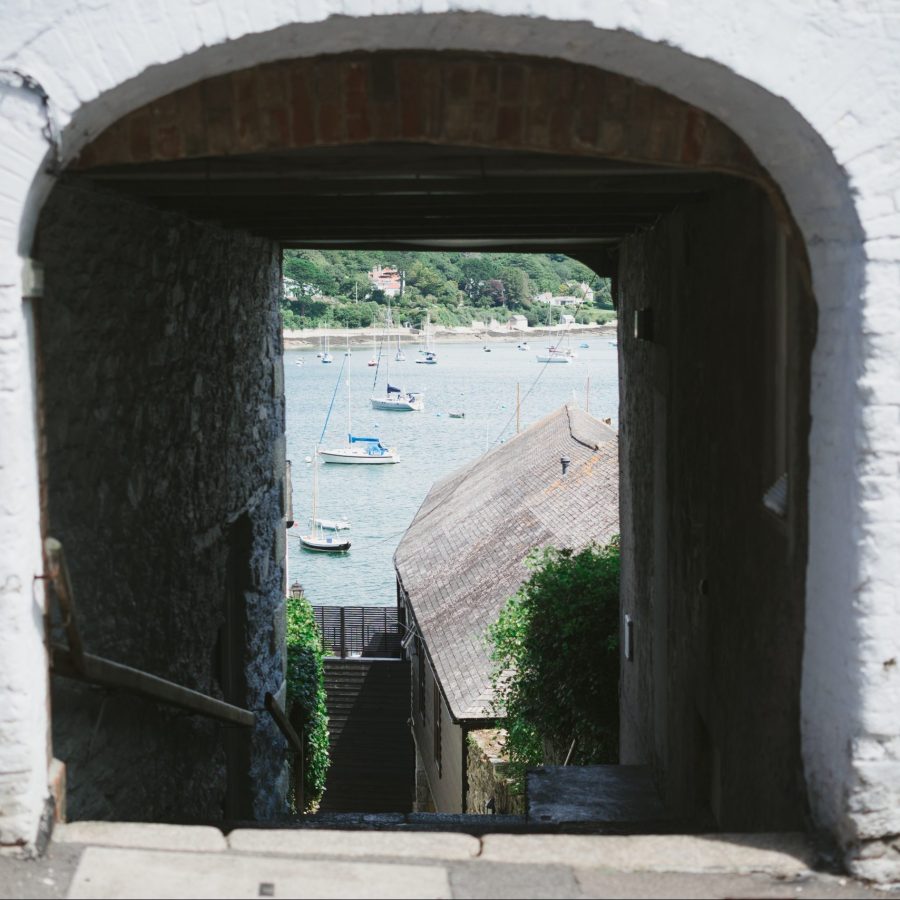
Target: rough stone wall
[[164, 422], [486, 777], [713, 581]]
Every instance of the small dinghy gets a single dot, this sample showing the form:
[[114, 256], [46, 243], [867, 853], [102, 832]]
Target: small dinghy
[[333, 524], [456, 414], [584, 345]]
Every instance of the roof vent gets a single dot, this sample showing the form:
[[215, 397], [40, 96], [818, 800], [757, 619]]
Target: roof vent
[[566, 462]]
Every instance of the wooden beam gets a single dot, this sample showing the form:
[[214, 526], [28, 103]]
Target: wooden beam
[[61, 585]]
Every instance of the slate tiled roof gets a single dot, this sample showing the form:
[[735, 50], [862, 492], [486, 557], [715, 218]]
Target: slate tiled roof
[[464, 553]]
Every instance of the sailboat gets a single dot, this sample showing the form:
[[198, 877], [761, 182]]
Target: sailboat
[[399, 356], [359, 450], [374, 359], [326, 356], [429, 356], [395, 398], [317, 541], [555, 354]]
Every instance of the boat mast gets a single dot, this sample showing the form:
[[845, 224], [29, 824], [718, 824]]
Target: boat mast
[[315, 491], [349, 426]]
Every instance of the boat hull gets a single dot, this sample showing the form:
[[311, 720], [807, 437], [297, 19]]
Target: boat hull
[[352, 458], [315, 545], [397, 405], [554, 359]]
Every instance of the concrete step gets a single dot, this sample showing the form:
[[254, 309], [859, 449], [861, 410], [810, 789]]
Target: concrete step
[[124, 860]]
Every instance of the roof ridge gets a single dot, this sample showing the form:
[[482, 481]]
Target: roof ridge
[[581, 439]]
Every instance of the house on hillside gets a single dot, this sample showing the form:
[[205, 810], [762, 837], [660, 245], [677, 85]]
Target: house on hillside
[[555, 484], [555, 300], [518, 323], [386, 279]]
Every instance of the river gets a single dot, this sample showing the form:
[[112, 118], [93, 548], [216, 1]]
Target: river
[[381, 501]]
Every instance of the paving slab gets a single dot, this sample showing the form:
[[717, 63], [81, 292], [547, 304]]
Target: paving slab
[[146, 835], [379, 844], [502, 881], [774, 854], [107, 872], [44, 878], [666, 885]]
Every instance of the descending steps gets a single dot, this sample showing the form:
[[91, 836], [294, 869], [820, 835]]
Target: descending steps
[[372, 754]]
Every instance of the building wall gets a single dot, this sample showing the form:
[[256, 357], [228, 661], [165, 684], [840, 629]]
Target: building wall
[[446, 780], [711, 415], [164, 435], [487, 776], [815, 98]]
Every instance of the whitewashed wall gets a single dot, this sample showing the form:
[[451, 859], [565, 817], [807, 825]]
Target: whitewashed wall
[[814, 90]]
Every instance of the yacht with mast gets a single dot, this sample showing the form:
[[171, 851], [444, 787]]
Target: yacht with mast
[[429, 355], [394, 398], [359, 450], [555, 353], [317, 541]]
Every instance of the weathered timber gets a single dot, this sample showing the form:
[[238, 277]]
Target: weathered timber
[[61, 583]]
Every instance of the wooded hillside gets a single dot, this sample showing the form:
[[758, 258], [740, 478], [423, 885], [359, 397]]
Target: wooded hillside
[[333, 287]]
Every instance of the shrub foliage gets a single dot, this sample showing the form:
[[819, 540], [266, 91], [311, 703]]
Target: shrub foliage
[[555, 650], [306, 695]]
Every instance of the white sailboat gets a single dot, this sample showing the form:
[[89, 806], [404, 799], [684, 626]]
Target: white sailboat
[[317, 541], [555, 353], [395, 398], [429, 356], [359, 450], [399, 355], [326, 356]]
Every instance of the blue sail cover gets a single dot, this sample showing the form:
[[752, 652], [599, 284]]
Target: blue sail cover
[[393, 390], [358, 440]]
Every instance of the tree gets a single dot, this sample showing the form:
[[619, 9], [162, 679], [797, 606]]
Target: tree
[[555, 650]]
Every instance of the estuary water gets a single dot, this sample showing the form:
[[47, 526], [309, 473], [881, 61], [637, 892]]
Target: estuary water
[[381, 501]]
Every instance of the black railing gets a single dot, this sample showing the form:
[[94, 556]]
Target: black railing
[[370, 631]]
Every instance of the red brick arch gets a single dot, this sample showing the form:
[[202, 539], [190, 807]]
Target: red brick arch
[[480, 101]]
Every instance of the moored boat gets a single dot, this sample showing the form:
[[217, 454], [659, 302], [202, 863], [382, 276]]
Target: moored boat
[[324, 544], [370, 452]]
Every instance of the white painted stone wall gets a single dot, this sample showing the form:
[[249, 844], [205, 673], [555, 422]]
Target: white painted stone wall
[[812, 87]]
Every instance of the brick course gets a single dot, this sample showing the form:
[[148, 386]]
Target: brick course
[[475, 101]]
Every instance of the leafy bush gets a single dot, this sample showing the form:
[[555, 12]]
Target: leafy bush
[[555, 650], [306, 695]]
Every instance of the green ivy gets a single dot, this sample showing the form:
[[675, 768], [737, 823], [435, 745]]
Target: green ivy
[[306, 694], [555, 653]]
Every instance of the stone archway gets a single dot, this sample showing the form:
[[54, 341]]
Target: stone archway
[[804, 168]]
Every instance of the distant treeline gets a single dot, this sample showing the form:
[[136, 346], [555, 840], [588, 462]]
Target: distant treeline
[[332, 288]]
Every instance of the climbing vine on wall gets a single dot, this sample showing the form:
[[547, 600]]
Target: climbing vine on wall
[[306, 695], [555, 650]]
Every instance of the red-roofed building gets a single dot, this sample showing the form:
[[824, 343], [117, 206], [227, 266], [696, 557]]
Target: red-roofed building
[[387, 279]]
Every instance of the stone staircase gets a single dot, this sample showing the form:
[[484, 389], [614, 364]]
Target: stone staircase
[[372, 753]]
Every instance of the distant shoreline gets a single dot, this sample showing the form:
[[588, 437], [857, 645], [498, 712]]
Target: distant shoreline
[[305, 339]]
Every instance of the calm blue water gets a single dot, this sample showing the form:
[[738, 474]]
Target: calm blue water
[[380, 501]]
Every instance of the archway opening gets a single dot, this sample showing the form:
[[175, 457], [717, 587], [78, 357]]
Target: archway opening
[[435, 151]]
